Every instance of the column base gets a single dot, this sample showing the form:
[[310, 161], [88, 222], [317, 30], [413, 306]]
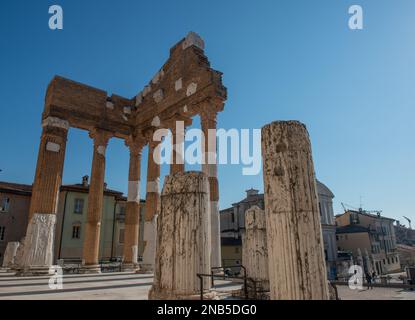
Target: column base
[[90, 269], [130, 267], [34, 271], [146, 268], [6, 270], [169, 295]]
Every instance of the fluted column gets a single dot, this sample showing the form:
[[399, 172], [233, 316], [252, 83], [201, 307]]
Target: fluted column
[[132, 216], [95, 201], [209, 167], [152, 203], [254, 247], [297, 269], [178, 134], [183, 238], [38, 245]]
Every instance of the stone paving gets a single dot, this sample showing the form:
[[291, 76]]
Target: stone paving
[[375, 294], [106, 286], [131, 286]]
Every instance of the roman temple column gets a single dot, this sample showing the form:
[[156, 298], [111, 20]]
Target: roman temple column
[[95, 202], [38, 248], [183, 237], [254, 247], [297, 268], [209, 167], [151, 206], [178, 135], [132, 216]]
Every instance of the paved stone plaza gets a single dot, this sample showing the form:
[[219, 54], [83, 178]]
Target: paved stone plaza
[[131, 286]]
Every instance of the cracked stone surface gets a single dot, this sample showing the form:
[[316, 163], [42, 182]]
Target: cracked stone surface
[[254, 247], [183, 237], [39, 241], [10, 254], [297, 268]]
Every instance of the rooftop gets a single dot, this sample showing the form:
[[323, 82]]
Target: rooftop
[[351, 229]]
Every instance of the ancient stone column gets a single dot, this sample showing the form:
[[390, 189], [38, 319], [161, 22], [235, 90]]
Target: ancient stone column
[[297, 268], [208, 124], [178, 135], [254, 247], [95, 200], [151, 208], [37, 256], [132, 216], [183, 237], [10, 254]]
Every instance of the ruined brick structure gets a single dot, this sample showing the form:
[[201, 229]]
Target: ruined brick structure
[[184, 87]]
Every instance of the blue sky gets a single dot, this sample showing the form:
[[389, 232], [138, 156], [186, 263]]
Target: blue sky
[[288, 59]]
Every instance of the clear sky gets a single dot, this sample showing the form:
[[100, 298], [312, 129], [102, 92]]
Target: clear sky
[[291, 59]]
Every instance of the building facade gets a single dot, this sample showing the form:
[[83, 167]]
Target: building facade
[[71, 220], [232, 222], [405, 244], [370, 238], [14, 209]]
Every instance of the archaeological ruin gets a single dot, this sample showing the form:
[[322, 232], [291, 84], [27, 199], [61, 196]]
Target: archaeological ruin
[[184, 87], [282, 246]]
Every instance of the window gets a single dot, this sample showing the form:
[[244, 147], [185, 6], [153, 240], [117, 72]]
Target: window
[[2, 231], [319, 208], [76, 232], [79, 206], [121, 236], [236, 249], [4, 205]]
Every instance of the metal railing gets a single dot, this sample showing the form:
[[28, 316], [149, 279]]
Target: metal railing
[[224, 276]]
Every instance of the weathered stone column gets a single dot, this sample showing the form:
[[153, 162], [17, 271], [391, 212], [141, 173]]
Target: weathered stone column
[[183, 237], [178, 135], [151, 208], [95, 200], [38, 248], [208, 124], [132, 216], [10, 254], [297, 268], [254, 247]]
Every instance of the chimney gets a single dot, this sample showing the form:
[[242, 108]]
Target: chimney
[[251, 192], [85, 181]]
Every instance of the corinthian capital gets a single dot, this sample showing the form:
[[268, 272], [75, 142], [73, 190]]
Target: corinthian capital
[[100, 137], [135, 143]]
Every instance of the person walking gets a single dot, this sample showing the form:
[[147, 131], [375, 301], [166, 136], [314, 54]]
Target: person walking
[[369, 281]]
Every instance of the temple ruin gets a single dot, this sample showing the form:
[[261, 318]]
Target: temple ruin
[[184, 87]]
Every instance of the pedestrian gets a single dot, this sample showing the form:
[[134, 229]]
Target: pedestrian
[[369, 281]]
